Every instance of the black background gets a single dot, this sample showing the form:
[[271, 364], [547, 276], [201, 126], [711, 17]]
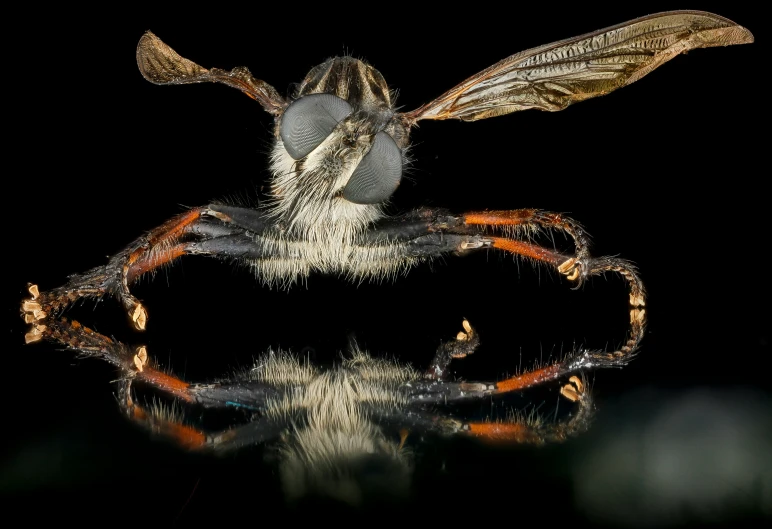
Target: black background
[[668, 172]]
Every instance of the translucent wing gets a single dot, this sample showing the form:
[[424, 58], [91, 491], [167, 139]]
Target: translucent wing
[[162, 65], [553, 76]]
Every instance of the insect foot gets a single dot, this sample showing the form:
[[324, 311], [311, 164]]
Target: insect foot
[[140, 359], [466, 341], [111, 279], [571, 268], [36, 334], [139, 316], [574, 391], [33, 312]]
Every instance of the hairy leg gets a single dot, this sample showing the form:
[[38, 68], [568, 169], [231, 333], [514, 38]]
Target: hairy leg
[[135, 365], [523, 429], [168, 422]]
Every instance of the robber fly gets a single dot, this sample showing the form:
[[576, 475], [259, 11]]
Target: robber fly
[[338, 156]]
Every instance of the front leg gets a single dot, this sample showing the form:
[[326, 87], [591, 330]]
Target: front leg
[[159, 247], [431, 233], [510, 231], [522, 223], [577, 267]]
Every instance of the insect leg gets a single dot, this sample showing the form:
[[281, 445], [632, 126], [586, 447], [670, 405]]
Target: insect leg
[[520, 429], [430, 233], [167, 421], [533, 431], [527, 220], [136, 365], [160, 246], [145, 254], [162, 420], [132, 362], [465, 343], [581, 360], [585, 267]]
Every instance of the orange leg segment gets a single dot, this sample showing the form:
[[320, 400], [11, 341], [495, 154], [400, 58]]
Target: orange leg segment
[[527, 249], [168, 232], [503, 432], [515, 217], [530, 378], [167, 383], [534, 218], [150, 262], [539, 432], [186, 436]]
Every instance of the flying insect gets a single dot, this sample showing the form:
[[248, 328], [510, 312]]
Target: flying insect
[[338, 156]]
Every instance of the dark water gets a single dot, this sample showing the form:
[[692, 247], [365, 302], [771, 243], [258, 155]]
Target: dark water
[[664, 173]]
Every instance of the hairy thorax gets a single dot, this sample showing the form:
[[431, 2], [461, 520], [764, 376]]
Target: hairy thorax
[[317, 230]]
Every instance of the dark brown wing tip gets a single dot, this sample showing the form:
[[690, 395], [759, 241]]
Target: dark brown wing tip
[[160, 64], [148, 42]]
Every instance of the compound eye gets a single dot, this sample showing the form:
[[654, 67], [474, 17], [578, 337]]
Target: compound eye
[[309, 120], [377, 175]]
